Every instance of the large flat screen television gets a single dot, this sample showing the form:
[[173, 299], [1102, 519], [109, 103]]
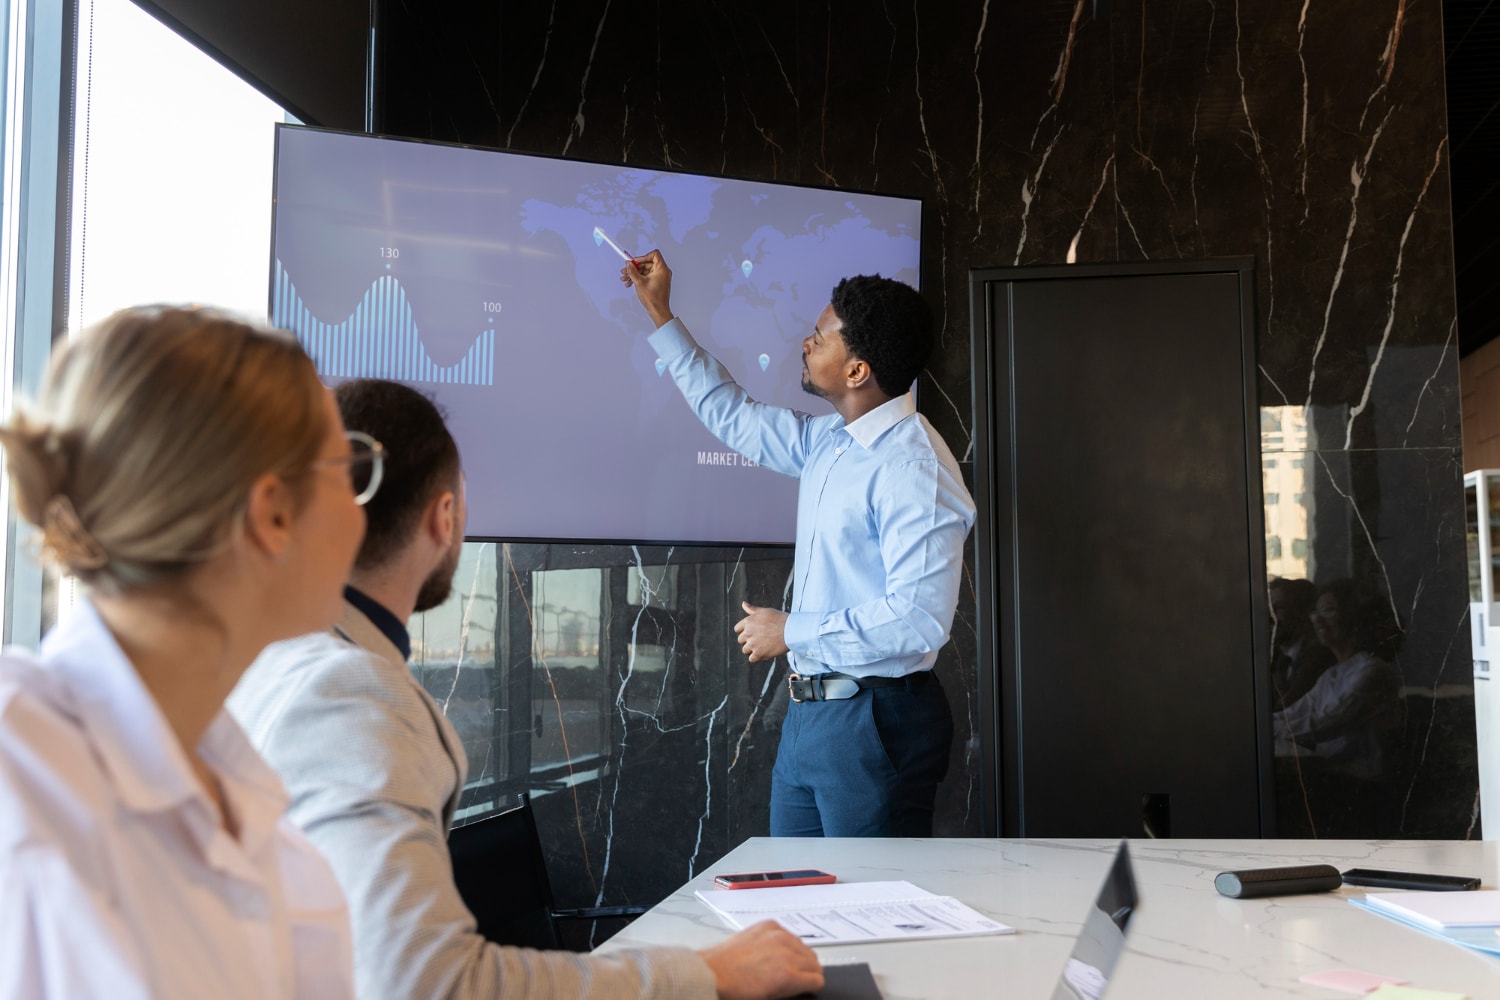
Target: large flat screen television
[[478, 276]]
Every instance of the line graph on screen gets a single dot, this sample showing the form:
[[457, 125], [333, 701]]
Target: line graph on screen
[[378, 339]]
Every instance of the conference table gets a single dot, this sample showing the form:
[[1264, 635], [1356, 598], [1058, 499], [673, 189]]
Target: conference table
[[1186, 940]]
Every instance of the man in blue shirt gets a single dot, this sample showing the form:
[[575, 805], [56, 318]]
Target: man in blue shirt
[[882, 514]]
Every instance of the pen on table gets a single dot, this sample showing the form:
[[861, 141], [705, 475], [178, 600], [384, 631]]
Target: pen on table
[[616, 248]]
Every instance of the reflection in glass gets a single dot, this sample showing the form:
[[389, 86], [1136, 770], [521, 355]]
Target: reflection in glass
[[553, 661], [1287, 524], [1494, 519], [654, 586], [565, 698], [1471, 534], [1347, 717], [454, 658]]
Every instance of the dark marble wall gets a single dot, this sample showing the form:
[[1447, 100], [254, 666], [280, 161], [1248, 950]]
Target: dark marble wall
[[1309, 135]]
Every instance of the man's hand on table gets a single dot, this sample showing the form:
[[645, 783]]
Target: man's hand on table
[[763, 962]]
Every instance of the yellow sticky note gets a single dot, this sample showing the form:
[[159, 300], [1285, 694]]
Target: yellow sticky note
[[1412, 993]]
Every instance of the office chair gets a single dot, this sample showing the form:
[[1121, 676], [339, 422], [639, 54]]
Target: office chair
[[501, 874]]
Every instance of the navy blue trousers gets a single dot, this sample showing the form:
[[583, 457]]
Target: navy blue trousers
[[866, 766]]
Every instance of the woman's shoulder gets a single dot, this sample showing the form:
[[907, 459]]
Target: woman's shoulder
[[35, 705], [52, 786]]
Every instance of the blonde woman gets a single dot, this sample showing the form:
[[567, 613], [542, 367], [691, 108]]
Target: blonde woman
[[193, 474]]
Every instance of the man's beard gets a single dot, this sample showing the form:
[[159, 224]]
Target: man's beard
[[809, 388], [439, 583]]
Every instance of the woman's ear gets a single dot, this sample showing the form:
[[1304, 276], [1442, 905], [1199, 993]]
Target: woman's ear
[[268, 517]]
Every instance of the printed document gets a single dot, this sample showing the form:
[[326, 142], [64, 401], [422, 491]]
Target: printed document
[[852, 912]]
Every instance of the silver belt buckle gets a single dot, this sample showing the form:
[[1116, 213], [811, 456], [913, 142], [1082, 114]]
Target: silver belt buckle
[[791, 686]]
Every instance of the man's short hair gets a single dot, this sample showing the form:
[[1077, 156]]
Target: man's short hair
[[887, 325], [421, 460]]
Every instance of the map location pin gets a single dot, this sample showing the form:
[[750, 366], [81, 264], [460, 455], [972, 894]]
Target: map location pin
[[661, 365], [765, 361], [746, 267]]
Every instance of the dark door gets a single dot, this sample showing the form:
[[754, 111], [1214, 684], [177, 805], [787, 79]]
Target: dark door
[[1121, 570]]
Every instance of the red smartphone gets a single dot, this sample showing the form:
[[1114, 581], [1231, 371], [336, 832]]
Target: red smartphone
[[765, 880]]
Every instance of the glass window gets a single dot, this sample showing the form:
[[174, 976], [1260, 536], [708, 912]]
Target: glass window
[[1272, 499], [172, 172], [172, 158], [1273, 547], [33, 88], [1299, 548]]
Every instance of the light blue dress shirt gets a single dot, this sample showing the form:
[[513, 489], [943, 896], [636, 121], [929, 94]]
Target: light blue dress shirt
[[882, 514]]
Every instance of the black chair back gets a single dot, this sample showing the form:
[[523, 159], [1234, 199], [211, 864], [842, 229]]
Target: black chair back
[[502, 876]]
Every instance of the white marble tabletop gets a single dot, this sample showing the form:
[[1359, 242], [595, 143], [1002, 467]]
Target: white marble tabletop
[[1185, 941]]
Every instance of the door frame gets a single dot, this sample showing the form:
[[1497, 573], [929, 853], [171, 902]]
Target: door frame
[[998, 689]]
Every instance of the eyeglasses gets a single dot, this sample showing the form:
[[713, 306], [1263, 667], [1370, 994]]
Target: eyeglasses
[[366, 462]]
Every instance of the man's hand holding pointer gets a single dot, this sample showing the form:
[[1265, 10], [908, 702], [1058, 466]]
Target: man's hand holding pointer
[[652, 280]]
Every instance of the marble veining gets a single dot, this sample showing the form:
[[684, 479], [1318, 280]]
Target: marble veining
[[975, 172], [576, 130], [1431, 379], [1356, 182], [1390, 322], [541, 64]]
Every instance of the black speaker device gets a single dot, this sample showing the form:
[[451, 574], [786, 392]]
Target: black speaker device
[[1288, 881]]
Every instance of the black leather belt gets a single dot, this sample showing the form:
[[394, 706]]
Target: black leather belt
[[836, 687]]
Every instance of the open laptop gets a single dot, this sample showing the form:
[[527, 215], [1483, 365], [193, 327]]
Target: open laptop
[[1086, 974]]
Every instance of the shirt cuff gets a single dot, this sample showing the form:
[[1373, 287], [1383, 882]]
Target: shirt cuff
[[801, 633], [671, 340]]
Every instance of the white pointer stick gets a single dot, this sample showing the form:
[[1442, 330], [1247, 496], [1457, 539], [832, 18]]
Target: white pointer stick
[[616, 247]]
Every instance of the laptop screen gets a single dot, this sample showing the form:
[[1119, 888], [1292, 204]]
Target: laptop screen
[[1099, 944]]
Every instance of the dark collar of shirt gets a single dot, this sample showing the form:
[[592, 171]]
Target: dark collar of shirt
[[390, 626]]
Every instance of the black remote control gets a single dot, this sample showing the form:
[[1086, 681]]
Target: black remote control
[[1289, 881]]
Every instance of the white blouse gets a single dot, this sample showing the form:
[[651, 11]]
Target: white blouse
[[116, 878]]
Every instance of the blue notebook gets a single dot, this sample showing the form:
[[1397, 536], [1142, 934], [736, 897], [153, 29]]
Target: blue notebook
[[1479, 938]]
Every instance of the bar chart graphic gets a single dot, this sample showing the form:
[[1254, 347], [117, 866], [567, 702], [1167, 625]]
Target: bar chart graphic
[[379, 339]]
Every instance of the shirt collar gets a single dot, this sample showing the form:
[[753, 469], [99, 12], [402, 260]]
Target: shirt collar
[[381, 617], [137, 748], [869, 428]]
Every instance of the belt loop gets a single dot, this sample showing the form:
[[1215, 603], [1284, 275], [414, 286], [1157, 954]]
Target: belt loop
[[817, 684]]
